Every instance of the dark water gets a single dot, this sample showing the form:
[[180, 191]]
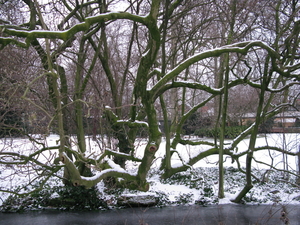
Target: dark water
[[189, 215]]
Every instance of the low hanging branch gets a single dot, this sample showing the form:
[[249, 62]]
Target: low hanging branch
[[116, 171]]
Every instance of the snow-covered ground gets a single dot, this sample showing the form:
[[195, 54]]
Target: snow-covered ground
[[200, 184], [261, 194]]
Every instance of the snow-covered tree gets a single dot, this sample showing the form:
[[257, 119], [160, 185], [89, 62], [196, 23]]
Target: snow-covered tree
[[123, 66]]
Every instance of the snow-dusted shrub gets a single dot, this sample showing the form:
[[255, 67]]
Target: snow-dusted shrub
[[58, 197]]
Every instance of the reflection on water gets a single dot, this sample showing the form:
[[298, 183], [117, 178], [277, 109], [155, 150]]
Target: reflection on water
[[190, 215]]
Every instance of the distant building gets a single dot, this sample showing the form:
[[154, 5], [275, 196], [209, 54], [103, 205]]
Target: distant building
[[287, 121]]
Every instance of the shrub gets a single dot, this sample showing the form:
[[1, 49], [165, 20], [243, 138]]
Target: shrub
[[184, 199], [163, 199], [76, 198], [62, 198], [194, 121], [266, 126]]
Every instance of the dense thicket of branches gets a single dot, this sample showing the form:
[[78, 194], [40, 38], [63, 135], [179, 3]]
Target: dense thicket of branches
[[118, 69]]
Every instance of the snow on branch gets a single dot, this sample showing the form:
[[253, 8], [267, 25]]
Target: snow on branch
[[135, 123], [241, 47], [194, 85], [88, 182], [66, 34]]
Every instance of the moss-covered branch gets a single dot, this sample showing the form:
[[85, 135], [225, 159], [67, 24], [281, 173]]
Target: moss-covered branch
[[109, 152], [30, 35], [88, 182], [242, 48]]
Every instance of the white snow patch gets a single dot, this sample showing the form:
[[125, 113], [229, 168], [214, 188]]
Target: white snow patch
[[10, 180]]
